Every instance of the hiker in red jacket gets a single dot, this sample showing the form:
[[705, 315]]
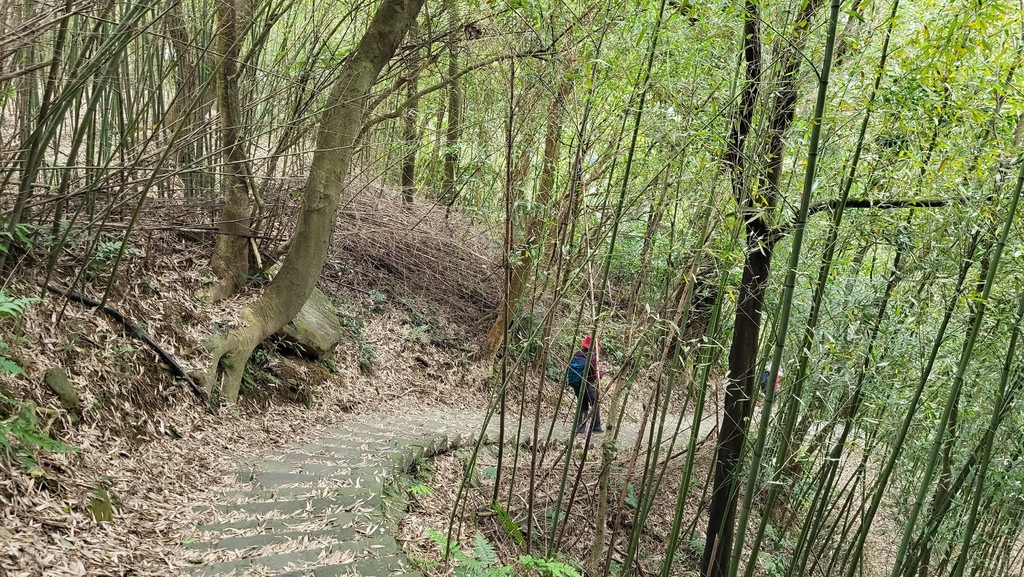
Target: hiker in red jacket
[[578, 372]]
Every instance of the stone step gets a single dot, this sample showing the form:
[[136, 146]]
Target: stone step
[[312, 454], [312, 481], [344, 499], [352, 440], [374, 549], [271, 480], [324, 499], [390, 566], [362, 522], [300, 493], [311, 474], [317, 538], [384, 464], [267, 467]]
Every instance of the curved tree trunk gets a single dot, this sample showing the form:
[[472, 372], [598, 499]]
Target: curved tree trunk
[[722, 513], [342, 120], [761, 239]]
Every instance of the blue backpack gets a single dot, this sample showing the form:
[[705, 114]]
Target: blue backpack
[[577, 366]]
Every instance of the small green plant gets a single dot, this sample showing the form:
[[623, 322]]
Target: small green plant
[[548, 567], [22, 236], [353, 325], [420, 334], [631, 497], [424, 470], [553, 516], [21, 434], [106, 252], [483, 563], [421, 490], [510, 525], [489, 473], [256, 372], [14, 306], [377, 301], [696, 547], [773, 566], [424, 565], [11, 307], [367, 358], [330, 364]]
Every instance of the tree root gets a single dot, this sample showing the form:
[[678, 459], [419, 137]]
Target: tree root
[[223, 288], [231, 353]]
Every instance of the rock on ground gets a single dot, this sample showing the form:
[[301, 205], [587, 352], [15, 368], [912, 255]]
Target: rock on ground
[[316, 330]]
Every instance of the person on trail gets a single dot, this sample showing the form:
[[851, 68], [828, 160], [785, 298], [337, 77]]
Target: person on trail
[[583, 379], [766, 375]]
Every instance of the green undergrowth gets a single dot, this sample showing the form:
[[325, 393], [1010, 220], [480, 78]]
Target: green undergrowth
[[482, 560], [11, 308], [23, 436]]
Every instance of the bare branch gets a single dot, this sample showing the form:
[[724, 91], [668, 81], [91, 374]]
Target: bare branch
[[882, 204], [871, 203], [397, 112]]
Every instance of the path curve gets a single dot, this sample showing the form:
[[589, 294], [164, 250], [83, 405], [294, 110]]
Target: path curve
[[317, 510]]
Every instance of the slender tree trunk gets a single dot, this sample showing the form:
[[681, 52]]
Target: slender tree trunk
[[230, 262], [799, 226], [454, 132], [341, 123], [181, 108], [739, 392], [525, 253], [761, 238], [410, 116], [718, 541], [26, 102], [653, 221]]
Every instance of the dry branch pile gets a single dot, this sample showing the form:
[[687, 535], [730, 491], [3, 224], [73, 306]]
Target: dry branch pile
[[414, 250]]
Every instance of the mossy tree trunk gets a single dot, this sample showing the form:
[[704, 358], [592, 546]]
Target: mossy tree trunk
[[341, 123]]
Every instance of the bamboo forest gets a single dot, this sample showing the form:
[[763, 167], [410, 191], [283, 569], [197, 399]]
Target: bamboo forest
[[478, 288]]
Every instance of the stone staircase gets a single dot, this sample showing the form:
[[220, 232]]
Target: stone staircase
[[318, 510]]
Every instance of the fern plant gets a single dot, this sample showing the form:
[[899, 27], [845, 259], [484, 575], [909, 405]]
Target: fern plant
[[548, 567], [483, 563], [11, 307], [20, 434], [22, 236]]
